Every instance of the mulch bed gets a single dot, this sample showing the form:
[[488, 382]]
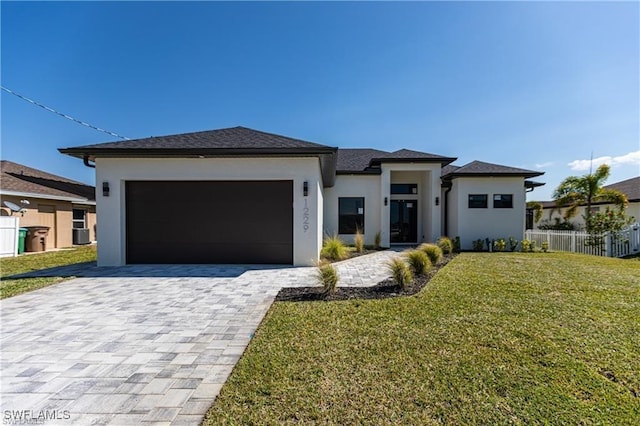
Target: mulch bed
[[382, 290]]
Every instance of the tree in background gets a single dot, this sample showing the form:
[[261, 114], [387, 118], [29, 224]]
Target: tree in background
[[576, 191], [536, 206]]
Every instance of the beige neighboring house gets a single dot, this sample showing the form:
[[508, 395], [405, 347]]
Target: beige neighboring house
[[630, 187], [48, 200]]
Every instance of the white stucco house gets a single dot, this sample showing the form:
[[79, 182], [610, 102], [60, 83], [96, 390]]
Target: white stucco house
[[551, 213], [239, 195]]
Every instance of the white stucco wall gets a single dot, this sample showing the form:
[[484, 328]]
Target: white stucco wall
[[549, 215], [427, 176], [116, 171], [375, 188], [423, 197], [472, 224], [367, 186]]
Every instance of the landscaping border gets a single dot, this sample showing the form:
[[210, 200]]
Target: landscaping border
[[383, 290]]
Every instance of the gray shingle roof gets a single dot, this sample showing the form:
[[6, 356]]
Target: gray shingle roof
[[480, 168], [449, 168], [22, 179], [230, 138], [356, 159], [231, 142], [363, 160], [631, 187]]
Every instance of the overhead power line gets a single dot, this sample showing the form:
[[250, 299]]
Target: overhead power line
[[68, 117]]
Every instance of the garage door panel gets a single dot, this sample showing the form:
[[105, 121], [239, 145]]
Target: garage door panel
[[210, 222]]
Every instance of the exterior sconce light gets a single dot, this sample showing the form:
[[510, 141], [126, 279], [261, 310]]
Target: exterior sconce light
[[105, 189], [437, 201], [386, 201], [305, 188]]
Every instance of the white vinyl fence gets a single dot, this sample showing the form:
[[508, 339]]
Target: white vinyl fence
[[9, 226], [622, 244]]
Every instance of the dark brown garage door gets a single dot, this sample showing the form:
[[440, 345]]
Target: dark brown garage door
[[209, 222]]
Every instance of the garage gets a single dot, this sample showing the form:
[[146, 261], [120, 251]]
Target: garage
[[202, 222]]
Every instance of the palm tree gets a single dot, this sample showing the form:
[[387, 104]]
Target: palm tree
[[576, 191]]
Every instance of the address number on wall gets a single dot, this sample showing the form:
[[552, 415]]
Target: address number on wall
[[305, 216]]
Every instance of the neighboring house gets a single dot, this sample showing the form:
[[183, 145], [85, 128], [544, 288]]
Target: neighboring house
[[239, 195], [48, 200], [630, 187]]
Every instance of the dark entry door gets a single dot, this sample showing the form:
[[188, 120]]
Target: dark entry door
[[404, 221], [209, 222]]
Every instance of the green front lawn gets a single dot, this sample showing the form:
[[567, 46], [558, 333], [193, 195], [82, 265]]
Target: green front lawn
[[493, 338], [33, 262]]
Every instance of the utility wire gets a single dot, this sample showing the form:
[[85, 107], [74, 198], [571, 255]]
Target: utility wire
[[68, 117]]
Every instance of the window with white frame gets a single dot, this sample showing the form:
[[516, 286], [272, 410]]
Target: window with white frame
[[79, 218]]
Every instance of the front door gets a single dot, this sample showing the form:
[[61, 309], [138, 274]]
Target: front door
[[404, 221]]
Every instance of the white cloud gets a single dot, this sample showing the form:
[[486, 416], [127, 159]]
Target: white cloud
[[543, 165], [632, 158]]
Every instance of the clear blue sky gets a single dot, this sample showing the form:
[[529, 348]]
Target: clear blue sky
[[533, 85]]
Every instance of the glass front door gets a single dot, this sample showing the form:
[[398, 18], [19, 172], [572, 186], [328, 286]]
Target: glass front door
[[404, 221]]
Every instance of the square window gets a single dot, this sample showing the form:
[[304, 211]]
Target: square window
[[79, 218], [502, 201], [350, 215], [477, 201]]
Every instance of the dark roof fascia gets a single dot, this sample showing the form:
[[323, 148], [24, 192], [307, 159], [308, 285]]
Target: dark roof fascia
[[327, 156], [533, 184], [92, 153], [442, 160], [359, 172], [461, 175]]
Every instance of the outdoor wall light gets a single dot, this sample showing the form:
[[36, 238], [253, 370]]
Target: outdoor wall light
[[437, 201], [305, 188], [386, 201], [105, 189]]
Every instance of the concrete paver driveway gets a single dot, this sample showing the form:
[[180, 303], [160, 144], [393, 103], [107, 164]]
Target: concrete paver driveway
[[139, 345]]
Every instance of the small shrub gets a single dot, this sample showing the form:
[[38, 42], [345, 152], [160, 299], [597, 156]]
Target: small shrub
[[400, 272], [513, 244], [327, 277], [526, 246], [545, 246], [456, 245], [478, 245], [432, 251], [377, 240], [532, 247], [358, 240], [489, 244], [445, 244], [419, 262], [557, 225], [500, 245], [333, 248]]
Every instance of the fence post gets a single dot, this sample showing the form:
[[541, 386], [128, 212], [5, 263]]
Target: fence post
[[608, 239], [573, 241]]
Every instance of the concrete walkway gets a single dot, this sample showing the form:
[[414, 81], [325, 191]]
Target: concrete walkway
[[139, 344]]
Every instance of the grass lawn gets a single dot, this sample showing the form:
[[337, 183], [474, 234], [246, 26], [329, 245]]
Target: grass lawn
[[493, 338], [32, 262]]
